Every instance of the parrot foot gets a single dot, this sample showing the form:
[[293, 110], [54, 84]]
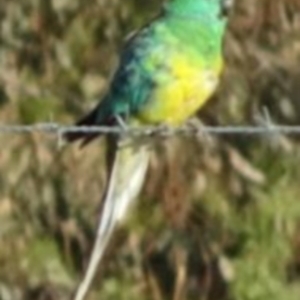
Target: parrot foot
[[197, 127]]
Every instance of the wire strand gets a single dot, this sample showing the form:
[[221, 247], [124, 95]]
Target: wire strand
[[59, 129]]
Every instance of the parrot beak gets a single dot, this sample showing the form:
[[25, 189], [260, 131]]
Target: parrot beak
[[226, 6]]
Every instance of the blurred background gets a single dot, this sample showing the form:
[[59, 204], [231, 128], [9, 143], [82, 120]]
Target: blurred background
[[219, 217]]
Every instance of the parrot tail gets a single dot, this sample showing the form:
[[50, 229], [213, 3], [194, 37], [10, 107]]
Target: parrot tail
[[127, 169], [91, 119]]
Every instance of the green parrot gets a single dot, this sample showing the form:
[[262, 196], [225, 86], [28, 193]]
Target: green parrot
[[167, 71]]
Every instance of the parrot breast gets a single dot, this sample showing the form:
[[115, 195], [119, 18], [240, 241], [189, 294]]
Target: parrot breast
[[186, 88]]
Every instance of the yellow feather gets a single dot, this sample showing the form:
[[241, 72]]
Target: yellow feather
[[176, 100]]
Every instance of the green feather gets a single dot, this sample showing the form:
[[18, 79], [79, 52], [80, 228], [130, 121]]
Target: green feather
[[196, 8], [134, 81]]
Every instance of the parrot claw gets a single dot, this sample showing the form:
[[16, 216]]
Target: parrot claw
[[121, 122], [197, 126]]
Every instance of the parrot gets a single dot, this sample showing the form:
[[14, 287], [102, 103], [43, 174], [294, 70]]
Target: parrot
[[167, 71]]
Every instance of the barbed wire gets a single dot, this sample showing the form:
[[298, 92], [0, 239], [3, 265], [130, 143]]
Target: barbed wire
[[60, 129]]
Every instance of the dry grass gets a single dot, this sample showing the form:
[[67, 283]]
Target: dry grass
[[220, 222]]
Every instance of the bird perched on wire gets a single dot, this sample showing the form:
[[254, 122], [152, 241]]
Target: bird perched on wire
[[167, 71]]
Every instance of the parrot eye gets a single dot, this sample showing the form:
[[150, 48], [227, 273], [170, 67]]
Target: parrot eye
[[226, 6]]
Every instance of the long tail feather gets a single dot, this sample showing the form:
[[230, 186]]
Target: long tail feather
[[126, 178]]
